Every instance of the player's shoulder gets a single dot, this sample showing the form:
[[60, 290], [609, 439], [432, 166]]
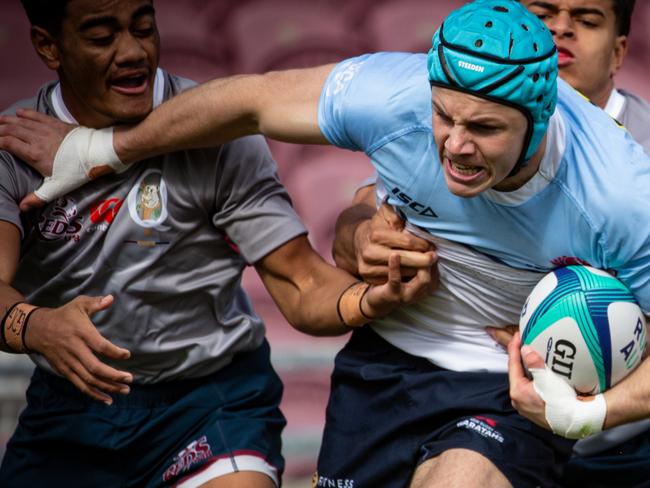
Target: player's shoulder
[[635, 116], [40, 102], [576, 107], [369, 99], [175, 84], [384, 81], [636, 102], [389, 71], [597, 145]]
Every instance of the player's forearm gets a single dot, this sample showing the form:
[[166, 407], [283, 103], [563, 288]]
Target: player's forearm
[[281, 105], [207, 115], [9, 297], [344, 249], [307, 289], [630, 399], [309, 303]]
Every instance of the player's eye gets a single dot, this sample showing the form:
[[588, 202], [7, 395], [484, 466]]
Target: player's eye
[[484, 128], [144, 29], [102, 40], [443, 117]]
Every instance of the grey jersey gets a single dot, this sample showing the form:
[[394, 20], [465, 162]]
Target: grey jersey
[[636, 118], [169, 238]]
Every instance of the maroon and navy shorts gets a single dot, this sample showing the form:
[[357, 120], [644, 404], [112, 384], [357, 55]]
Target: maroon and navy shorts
[[180, 433]]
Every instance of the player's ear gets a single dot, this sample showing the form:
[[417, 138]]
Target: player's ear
[[620, 50], [46, 47]]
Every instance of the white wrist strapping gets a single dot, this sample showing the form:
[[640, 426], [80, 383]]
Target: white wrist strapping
[[568, 416], [81, 151]]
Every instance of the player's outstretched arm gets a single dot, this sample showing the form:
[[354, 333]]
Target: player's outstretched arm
[[65, 336], [366, 237], [282, 105], [319, 299]]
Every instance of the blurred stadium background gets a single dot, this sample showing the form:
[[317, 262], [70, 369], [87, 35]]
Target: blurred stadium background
[[203, 39]]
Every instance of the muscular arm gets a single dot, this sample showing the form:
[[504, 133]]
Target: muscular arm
[[307, 289], [64, 336], [282, 105], [362, 210], [9, 254], [630, 399]]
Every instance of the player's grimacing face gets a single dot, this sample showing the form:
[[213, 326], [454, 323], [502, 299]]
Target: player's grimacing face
[[107, 59], [590, 51], [479, 142]]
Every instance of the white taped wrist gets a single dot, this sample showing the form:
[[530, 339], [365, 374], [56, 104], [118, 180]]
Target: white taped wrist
[[568, 416], [83, 154]]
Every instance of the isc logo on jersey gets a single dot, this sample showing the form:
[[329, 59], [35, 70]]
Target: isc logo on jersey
[[586, 325]]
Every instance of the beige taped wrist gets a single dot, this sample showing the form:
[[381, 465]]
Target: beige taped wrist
[[349, 306], [14, 326], [84, 154], [568, 416]]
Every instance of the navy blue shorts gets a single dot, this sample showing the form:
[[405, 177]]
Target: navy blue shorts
[[390, 411], [626, 465], [179, 433]]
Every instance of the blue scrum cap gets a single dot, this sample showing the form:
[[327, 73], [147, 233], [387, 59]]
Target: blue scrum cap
[[498, 50]]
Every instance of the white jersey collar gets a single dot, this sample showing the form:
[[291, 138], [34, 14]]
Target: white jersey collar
[[615, 104], [62, 112], [555, 145]]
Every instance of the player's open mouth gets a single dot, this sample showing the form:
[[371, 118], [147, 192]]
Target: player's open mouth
[[464, 169], [564, 57], [464, 173], [131, 85]]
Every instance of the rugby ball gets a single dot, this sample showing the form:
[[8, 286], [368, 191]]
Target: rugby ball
[[586, 325]]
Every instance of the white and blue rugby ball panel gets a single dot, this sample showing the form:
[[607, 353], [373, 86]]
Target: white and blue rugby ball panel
[[586, 325]]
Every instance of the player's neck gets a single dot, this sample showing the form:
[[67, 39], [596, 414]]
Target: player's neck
[[601, 96], [518, 180]]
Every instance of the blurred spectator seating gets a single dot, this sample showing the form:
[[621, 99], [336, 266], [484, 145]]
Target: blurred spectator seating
[[268, 35], [189, 46], [406, 25], [321, 186], [639, 41], [21, 71]]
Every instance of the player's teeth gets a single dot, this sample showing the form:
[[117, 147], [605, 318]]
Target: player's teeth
[[465, 170]]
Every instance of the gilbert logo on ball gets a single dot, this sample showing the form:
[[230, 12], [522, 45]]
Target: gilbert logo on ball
[[586, 325]]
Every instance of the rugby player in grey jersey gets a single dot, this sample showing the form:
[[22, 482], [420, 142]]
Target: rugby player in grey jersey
[[129, 288]]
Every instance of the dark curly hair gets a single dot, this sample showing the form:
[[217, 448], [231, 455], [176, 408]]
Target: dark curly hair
[[623, 10], [48, 14]]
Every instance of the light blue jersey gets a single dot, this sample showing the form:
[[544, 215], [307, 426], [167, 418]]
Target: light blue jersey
[[588, 202]]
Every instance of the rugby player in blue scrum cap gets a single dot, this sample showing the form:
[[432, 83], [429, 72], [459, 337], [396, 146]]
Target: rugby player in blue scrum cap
[[152, 367], [506, 169]]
